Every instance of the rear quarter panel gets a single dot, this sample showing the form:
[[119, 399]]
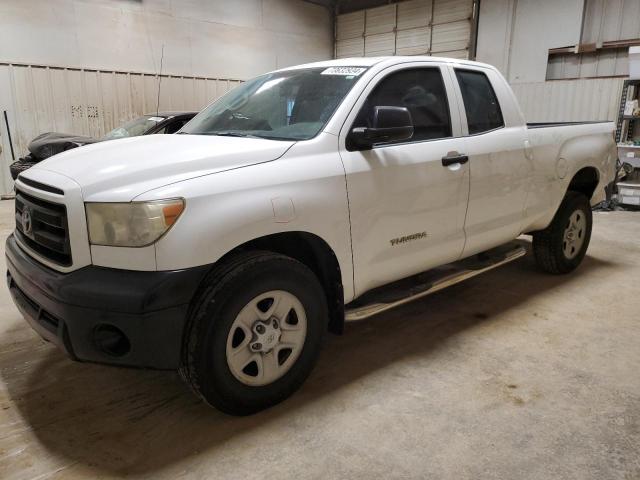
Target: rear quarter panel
[[556, 154]]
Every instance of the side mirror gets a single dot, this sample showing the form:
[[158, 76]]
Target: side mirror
[[390, 124]]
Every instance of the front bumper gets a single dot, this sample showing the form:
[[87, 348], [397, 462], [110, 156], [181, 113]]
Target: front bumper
[[74, 310]]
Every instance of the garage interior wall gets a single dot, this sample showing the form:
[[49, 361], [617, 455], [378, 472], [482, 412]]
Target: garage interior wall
[[412, 27], [85, 66], [609, 27], [516, 36]]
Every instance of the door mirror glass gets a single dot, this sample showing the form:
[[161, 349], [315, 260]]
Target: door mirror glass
[[390, 124]]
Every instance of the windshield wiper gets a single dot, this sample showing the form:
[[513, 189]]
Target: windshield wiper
[[242, 135], [233, 134], [182, 133]]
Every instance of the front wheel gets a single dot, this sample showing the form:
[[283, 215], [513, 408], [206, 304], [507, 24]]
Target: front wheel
[[255, 332], [561, 246]]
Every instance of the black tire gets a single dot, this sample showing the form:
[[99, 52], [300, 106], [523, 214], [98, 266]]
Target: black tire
[[223, 295], [548, 244]]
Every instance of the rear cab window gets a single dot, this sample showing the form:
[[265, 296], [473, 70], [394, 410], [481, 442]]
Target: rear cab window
[[480, 102]]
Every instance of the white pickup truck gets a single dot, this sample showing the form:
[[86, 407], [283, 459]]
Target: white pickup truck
[[302, 198]]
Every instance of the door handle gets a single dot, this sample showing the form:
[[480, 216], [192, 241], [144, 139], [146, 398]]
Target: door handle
[[452, 159]]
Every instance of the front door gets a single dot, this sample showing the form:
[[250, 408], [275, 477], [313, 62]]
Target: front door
[[407, 206]]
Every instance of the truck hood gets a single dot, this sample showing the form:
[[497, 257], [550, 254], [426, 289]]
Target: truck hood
[[120, 170]]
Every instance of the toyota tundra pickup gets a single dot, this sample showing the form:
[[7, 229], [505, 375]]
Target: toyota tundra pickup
[[301, 199]]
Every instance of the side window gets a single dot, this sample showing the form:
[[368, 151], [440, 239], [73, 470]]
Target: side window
[[422, 92], [480, 101]]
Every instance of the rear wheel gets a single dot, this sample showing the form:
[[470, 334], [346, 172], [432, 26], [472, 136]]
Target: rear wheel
[[563, 244], [255, 332]]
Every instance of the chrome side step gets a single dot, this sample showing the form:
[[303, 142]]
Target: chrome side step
[[412, 288]]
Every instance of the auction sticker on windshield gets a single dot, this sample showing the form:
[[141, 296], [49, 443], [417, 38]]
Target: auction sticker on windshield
[[346, 71]]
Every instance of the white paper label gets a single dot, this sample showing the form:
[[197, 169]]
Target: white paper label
[[630, 154], [346, 71], [156, 119]]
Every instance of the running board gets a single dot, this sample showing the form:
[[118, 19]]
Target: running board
[[409, 289]]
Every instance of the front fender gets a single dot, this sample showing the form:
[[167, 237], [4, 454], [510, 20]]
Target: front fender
[[304, 191]]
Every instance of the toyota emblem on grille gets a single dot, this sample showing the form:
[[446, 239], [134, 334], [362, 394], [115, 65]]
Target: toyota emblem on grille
[[27, 225]]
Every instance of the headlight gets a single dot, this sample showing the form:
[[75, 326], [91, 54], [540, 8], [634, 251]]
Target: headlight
[[134, 224]]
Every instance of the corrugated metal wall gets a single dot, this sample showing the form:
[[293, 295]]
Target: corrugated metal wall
[[40, 99], [603, 63], [516, 36], [571, 100], [604, 21], [414, 27], [611, 20]]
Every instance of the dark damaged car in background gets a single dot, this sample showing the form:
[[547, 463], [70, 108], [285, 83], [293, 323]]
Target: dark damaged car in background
[[51, 143]]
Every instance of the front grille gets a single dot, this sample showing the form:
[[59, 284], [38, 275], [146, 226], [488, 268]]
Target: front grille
[[44, 228]]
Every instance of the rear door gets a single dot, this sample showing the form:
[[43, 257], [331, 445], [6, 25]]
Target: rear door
[[495, 144], [407, 208]]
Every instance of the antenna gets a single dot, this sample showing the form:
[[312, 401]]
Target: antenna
[[160, 80]]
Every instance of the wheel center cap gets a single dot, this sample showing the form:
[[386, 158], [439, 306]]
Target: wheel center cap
[[266, 335]]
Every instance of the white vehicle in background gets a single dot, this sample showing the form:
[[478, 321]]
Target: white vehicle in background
[[302, 198]]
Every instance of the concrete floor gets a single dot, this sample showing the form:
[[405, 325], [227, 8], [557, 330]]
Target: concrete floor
[[514, 374]]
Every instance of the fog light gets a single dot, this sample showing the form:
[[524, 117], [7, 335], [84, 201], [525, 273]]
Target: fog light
[[111, 340]]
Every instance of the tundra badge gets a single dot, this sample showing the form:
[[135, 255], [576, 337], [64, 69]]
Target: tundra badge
[[408, 238]]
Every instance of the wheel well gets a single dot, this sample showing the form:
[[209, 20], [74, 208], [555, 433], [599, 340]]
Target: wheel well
[[316, 254], [585, 181]]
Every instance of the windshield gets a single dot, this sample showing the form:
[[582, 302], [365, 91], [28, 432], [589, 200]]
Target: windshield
[[134, 128], [289, 105]]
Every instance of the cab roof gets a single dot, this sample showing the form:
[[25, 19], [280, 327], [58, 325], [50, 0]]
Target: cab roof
[[388, 60]]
